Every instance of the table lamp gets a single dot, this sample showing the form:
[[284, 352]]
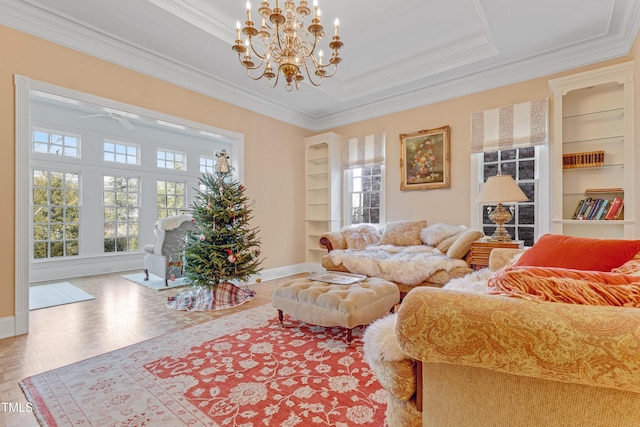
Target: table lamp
[[500, 189]]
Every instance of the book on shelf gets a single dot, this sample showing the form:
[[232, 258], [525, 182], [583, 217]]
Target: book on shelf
[[602, 210], [616, 205], [599, 209]]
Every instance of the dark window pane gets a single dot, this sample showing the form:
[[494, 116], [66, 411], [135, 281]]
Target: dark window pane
[[509, 168], [526, 234], [527, 153], [491, 157], [526, 169], [526, 214], [529, 189], [508, 154], [490, 170]]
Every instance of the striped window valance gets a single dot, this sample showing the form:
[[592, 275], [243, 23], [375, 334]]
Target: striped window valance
[[511, 126], [363, 151]]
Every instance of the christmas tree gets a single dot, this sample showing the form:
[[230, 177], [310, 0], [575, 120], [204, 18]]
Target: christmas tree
[[224, 247]]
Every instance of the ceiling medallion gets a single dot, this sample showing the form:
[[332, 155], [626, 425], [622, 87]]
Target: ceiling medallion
[[285, 45]]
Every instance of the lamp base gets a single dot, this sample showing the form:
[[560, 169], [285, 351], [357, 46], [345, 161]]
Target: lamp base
[[500, 215]]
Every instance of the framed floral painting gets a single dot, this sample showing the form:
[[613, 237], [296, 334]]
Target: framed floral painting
[[424, 159]]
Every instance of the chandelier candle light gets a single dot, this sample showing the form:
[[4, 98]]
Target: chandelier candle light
[[286, 45], [500, 189]]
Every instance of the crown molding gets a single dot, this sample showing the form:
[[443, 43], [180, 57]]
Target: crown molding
[[27, 17]]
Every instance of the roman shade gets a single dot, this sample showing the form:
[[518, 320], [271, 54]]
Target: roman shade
[[511, 126], [363, 151]]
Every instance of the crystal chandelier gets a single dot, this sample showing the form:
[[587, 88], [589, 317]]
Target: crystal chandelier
[[286, 45]]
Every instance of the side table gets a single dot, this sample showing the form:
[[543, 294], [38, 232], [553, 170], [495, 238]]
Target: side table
[[481, 249]]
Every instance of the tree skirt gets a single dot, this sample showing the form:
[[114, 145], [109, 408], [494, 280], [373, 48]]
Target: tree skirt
[[242, 370], [225, 295]]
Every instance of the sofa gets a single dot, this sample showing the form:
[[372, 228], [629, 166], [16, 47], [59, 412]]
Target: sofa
[[488, 350], [407, 253]]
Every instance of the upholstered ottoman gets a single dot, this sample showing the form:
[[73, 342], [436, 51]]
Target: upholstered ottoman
[[326, 304]]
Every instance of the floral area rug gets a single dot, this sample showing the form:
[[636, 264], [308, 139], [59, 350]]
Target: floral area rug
[[242, 370]]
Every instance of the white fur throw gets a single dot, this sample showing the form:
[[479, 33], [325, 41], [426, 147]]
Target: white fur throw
[[475, 282], [436, 233], [379, 341], [173, 222], [410, 265]]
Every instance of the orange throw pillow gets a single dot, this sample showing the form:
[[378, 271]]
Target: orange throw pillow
[[579, 253]]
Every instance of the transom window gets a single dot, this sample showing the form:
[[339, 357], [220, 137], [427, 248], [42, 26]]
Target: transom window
[[171, 160], [120, 152], [56, 143], [56, 214], [121, 204], [207, 164]]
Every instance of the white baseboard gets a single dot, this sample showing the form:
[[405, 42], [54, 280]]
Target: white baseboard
[[87, 266], [287, 270], [7, 327]]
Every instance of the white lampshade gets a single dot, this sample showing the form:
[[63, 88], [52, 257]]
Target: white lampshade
[[501, 189]]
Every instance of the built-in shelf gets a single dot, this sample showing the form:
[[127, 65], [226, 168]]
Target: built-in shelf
[[593, 113], [323, 191]]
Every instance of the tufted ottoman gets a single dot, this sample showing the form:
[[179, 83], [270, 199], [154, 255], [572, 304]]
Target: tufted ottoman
[[326, 304]]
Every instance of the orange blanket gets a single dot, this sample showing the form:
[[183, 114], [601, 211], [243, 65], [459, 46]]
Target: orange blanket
[[568, 286]]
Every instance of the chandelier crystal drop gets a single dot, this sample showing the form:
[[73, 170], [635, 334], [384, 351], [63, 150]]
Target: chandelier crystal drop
[[284, 45]]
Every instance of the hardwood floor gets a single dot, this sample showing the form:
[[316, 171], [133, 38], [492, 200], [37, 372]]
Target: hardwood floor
[[122, 314]]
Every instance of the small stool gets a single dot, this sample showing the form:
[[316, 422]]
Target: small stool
[[326, 304]]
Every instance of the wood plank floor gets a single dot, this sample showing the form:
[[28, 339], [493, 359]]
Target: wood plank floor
[[122, 314]]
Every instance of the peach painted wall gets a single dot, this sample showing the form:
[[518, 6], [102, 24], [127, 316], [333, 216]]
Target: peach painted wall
[[274, 150], [274, 166], [452, 205]]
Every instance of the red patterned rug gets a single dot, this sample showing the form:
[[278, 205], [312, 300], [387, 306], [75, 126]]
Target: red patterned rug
[[242, 370]]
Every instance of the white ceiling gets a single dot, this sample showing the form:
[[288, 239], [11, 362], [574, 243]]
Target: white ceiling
[[397, 54]]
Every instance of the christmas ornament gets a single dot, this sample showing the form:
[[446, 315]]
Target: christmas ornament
[[231, 257], [202, 237]]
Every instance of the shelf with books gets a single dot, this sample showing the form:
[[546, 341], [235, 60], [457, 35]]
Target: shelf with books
[[593, 178], [600, 208]]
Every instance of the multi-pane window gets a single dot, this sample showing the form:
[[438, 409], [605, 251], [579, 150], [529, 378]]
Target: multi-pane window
[[167, 159], [171, 198], [365, 190], [56, 143], [56, 206], [520, 163], [119, 152], [207, 164], [121, 204]]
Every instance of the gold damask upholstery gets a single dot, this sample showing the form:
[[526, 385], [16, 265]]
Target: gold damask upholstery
[[491, 360]]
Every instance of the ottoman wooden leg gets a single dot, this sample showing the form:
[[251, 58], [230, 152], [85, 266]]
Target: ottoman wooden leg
[[281, 317], [349, 335]]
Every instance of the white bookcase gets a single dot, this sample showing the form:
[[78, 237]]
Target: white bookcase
[[323, 184], [593, 127]]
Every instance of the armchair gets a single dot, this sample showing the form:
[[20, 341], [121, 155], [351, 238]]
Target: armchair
[[165, 257]]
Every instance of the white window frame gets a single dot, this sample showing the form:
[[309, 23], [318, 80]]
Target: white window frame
[[127, 224], [116, 154], [348, 189], [542, 182], [163, 209], [50, 134], [49, 241], [166, 161]]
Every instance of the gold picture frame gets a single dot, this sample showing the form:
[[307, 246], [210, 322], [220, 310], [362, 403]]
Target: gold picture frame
[[424, 159]]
